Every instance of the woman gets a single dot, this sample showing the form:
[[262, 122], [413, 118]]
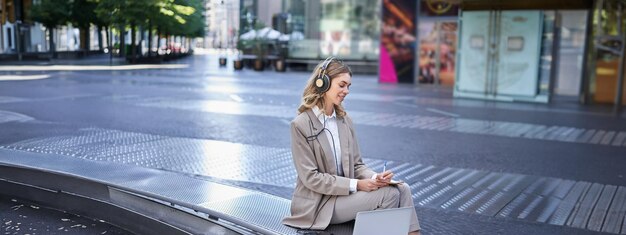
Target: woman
[[333, 183]]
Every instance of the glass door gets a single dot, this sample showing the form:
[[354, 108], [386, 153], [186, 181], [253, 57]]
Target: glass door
[[499, 55]]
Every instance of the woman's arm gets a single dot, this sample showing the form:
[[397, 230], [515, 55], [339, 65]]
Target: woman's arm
[[308, 171]]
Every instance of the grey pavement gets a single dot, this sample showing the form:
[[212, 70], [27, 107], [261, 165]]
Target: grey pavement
[[475, 167]]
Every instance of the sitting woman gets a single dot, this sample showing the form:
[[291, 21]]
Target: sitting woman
[[333, 183]]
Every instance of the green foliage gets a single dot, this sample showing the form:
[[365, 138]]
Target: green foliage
[[82, 13], [51, 13], [176, 17], [126, 12], [191, 13]]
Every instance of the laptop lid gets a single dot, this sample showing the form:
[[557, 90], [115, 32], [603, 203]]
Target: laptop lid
[[383, 221]]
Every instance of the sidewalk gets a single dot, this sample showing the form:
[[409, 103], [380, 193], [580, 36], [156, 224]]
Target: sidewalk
[[474, 166]]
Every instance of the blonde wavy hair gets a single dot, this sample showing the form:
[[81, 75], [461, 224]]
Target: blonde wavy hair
[[311, 98]]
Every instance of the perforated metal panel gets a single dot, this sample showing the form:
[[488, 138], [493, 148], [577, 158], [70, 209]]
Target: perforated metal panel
[[247, 208], [196, 194], [540, 199]]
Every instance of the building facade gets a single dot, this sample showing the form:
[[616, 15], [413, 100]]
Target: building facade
[[222, 23], [18, 35], [541, 50]]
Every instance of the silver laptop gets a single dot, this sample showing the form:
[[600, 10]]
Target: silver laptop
[[384, 221]]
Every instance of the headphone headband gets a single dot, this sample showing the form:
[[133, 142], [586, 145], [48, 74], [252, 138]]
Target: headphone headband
[[322, 82], [325, 65]]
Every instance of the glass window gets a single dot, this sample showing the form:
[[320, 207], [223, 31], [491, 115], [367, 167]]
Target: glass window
[[348, 29], [571, 50]]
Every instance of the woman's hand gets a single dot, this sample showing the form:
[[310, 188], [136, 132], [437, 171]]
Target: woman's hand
[[369, 185], [384, 177]]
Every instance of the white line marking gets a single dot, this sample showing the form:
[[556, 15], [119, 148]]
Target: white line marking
[[91, 67], [406, 105], [236, 98], [23, 77], [285, 121], [443, 112]]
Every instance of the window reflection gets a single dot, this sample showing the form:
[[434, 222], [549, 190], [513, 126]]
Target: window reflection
[[348, 29]]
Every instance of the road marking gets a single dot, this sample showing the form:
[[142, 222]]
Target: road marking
[[442, 112], [287, 122], [407, 105], [91, 67], [236, 98], [7, 116], [23, 77]]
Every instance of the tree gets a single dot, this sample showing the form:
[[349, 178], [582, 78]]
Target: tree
[[169, 17], [82, 16], [133, 13], [51, 13]]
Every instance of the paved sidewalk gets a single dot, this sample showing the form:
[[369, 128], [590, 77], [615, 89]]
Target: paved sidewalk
[[504, 168]]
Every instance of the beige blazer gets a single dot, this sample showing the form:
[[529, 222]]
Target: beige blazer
[[318, 185]]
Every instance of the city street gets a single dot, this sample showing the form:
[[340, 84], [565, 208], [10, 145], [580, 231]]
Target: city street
[[474, 166]]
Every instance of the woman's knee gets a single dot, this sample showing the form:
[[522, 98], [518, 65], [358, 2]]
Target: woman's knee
[[404, 188], [391, 196]]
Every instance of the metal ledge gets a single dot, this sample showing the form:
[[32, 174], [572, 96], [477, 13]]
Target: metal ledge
[[136, 214], [161, 194]]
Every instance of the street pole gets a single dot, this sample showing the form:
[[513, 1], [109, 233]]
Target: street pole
[[18, 44]]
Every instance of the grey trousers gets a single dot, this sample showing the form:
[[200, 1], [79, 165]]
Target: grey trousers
[[347, 206]]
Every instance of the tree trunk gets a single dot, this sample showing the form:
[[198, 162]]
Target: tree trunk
[[51, 41], [84, 40], [122, 41], [133, 37], [149, 38], [158, 46], [142, 39], [180, 45], [108, 39], [167, 43], [100, 42]]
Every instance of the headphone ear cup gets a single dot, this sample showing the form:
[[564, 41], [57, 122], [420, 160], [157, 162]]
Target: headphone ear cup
[[322, 83]]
